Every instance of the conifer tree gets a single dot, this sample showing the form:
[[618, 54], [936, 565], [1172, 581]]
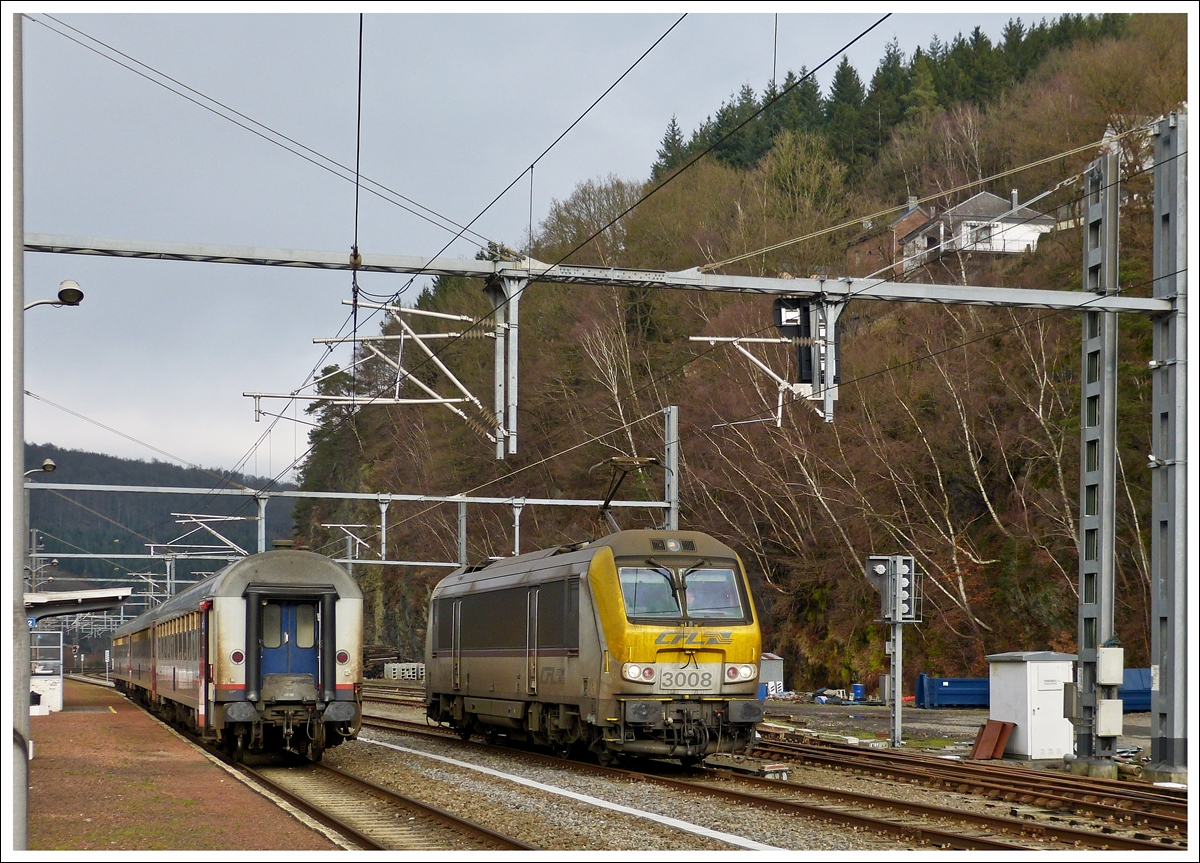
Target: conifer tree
[[884, 105], [843, 114], [671, 154]]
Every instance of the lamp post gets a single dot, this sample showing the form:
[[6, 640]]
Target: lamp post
[[68, 295]]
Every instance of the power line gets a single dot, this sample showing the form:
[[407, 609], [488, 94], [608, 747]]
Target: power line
[[542, 155], [381, 191], [654, 190]]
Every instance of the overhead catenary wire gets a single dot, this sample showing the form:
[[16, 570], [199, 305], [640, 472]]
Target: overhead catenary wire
[[531, 190], [355, 257], [541, 156], [693, 161], [792, 400], [507, 300], [262, 130]]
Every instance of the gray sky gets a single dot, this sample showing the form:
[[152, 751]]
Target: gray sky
[[453, 108]]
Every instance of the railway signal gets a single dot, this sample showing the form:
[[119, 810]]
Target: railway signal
[[899, 584]]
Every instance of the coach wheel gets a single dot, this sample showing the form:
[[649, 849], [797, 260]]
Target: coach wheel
[[239, 747], [316, 746], [464, 732]]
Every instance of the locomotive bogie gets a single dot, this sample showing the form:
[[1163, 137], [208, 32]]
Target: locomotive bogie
[[601, 644]]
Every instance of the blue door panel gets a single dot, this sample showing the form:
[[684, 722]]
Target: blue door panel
[[285, 627]]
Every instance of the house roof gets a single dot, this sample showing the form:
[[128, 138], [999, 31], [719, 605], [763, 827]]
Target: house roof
[[985, 205]]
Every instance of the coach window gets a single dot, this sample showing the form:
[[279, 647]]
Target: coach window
[[306, 626], [271, 620]]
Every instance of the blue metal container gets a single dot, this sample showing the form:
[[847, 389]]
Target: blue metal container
[[859, 690], [934, 692], [1135, 692]]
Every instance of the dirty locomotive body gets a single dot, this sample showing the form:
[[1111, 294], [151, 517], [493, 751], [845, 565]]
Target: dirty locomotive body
[[642, 643], [264, 655]]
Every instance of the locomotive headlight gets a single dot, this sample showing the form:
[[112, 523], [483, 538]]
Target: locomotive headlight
[[638, 673], [740, 673]]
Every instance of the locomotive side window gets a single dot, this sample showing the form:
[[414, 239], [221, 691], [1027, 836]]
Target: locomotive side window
[[443, 622], [306, 626], [272, 619], [648, 592], [713, 593], [551, 602]]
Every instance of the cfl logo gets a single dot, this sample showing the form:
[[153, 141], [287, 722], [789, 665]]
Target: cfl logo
[[673, 639]]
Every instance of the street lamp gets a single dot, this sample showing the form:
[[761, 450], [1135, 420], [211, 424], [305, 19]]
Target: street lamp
[[48, 466], [68, 295]]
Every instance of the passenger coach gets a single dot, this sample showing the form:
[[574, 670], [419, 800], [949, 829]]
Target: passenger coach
[[266, 654], [642, 642]]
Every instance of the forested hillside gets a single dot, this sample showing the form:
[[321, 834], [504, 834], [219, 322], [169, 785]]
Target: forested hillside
[[957, 430], [125, 522]]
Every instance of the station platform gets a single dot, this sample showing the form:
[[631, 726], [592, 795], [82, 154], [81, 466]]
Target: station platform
[[106, 776]]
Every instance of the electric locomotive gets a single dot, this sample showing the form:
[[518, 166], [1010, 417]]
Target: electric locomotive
[[264, 655], [643, 642]]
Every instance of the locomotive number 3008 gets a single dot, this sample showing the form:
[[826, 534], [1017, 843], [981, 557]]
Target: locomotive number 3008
[[687, 679]]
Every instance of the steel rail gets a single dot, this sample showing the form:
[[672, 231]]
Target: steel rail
[[1074, 787], [1039, 778], [454, 822], [315, 812], [919, 834], [995, 785]]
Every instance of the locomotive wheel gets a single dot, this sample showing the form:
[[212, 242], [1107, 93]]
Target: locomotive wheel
[[690, 761], [606, 758]]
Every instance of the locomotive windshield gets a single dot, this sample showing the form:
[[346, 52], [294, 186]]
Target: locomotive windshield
[[709, 592], [648, 592], [712, 593]]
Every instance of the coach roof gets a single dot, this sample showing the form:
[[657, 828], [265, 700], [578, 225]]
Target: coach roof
[[272, 569]]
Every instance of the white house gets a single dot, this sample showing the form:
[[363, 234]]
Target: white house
[[985, 223]]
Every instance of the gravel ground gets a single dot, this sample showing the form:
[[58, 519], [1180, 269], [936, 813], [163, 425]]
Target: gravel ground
[[554, 822]]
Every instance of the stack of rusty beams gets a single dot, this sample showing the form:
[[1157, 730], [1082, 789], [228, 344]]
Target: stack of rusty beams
[[992, 740]]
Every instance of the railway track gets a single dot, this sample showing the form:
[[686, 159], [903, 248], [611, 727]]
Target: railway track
[[1125, 803], [390, 693], [375, 818], [369, 816], [919, 824]]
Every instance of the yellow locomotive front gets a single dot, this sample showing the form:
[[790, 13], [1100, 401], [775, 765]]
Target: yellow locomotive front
[[680, 674]]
